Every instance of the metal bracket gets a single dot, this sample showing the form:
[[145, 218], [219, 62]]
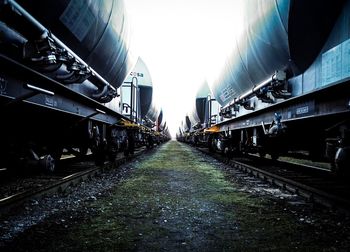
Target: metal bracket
[[34, 91], [273, 87]]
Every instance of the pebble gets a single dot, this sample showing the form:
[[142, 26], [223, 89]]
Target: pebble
[[57, 203], [92, 198], [35, 202]]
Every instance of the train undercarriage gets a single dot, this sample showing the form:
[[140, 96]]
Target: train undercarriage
[[314, 126], [43, 118]]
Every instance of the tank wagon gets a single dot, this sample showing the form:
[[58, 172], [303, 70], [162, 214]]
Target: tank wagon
[[203, 115], [62, 64], [284, 88], [139, 107], [185, 130], [162, 128]]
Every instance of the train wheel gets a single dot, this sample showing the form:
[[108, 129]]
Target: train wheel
[[129, 147], [100, 153], [126, 148], [337, 169], [340, 165], [228, 152], [56, 152], [112, 154], [131, 144], [150, 142], [48, 163], [334, 168]]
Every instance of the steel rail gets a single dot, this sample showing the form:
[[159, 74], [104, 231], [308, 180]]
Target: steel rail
[[9, 202], [309, 193]]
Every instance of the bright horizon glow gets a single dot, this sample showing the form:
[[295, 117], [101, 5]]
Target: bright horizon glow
[[182, 42]]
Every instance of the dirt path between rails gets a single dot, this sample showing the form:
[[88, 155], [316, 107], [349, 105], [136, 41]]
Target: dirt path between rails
[[176, 200]]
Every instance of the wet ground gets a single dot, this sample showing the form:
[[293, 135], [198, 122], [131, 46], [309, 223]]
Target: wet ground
[[177, 199]]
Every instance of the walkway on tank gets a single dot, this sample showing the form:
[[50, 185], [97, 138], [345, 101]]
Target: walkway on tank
[[177, 199]]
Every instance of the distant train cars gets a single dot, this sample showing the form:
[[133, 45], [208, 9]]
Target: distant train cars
[[139, 107], [284, 88], [62, 66]]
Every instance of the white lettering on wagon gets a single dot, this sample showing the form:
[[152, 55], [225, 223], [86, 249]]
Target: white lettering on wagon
[[302, 110], [49, 101], [3, 85]]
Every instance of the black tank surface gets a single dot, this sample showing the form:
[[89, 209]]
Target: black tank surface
[[187, 124], [277, 35], [161, 122], [197, 115], [97, 31]]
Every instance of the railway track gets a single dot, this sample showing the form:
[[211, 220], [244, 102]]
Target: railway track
[[315, 185], [75, 171]]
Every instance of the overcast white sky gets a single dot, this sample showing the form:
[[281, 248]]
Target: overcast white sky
[[182, 42]]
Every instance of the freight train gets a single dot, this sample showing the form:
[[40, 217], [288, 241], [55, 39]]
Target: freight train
[[284, 88], [68, 81]]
